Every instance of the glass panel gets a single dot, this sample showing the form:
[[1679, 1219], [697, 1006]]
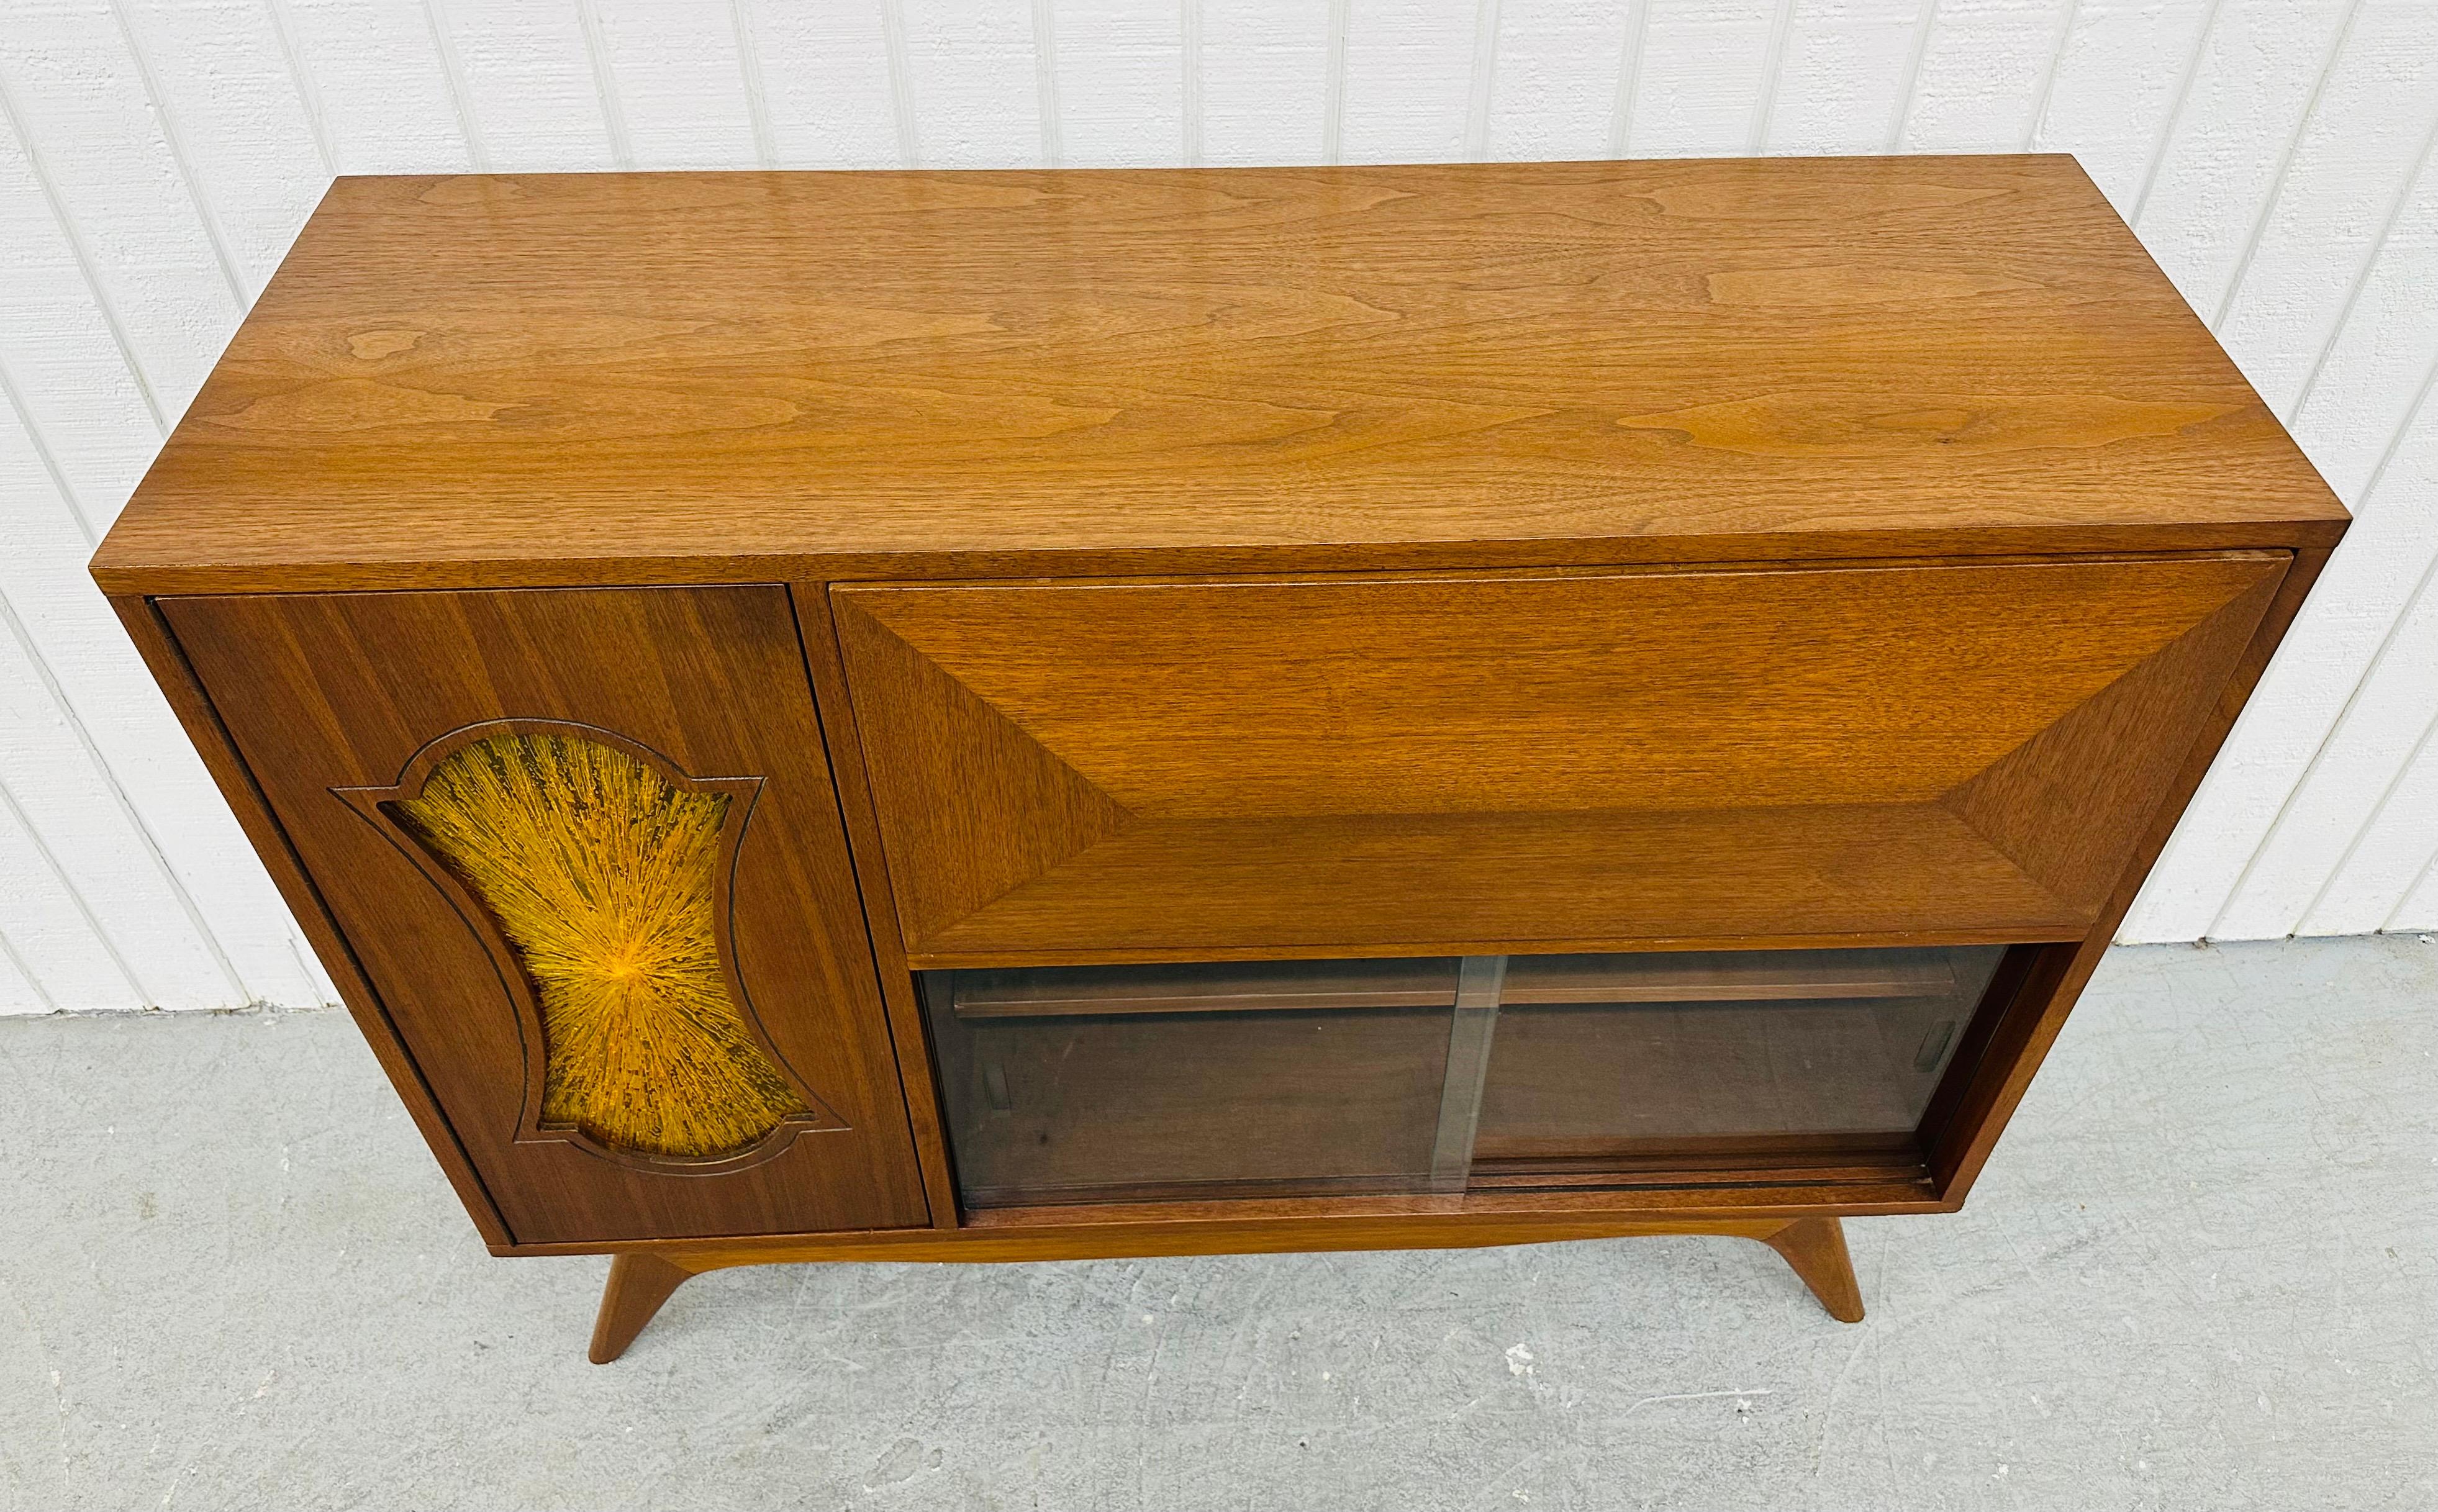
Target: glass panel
[[600, 872], [1115, 1082], [1614, 1061], [1279, 1078]]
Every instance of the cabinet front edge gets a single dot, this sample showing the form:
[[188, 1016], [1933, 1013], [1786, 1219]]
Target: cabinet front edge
[[122, 571]]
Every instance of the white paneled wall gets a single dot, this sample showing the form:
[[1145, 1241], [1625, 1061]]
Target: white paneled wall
[[157, 156]]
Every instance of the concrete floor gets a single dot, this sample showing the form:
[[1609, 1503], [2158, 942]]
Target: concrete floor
[[2202, 1271]]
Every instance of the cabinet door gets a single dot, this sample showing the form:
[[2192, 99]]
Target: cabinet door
[[1070, 772], [584, 845]]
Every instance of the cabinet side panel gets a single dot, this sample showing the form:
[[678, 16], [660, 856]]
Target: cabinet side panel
[[2022, 1039], [170, 667]]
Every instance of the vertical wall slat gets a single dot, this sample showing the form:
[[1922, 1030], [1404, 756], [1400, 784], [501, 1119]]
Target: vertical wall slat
[[283, 26], [828, 84], [78, 880], [2345, 185], [677, 79], [2395, 848], [1408, 80], [2036, 127], [1554, 86], [21, 989], [2391, 702], [1484, 82], [385, 102], [1773, 68], [1629, 79], [528, 83], [1843, 72], [2418, 909], [1908, 92], [1703, 66], [140, 834], [973, 72], [64, 962], [749, 64], [2258, 66], [2270, 198], [1189, 83], [1121, 84], [175, 140], [2352, 169], [2374, 370], [1267, 81], [2116, 87], [79, 397], [452, 74], [1978, 86], [248, 134]]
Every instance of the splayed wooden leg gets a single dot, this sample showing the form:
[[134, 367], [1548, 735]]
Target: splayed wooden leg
[[637, 1285], [1815, 1248]]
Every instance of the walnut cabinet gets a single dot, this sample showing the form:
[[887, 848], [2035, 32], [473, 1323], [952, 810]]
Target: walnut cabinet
[[1012, 715]]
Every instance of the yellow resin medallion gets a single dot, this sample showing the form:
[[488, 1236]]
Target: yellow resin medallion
[[602, 875]]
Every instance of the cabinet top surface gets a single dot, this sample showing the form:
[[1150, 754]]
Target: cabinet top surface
[[661, 377]]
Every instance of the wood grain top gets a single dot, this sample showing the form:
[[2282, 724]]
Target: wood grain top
[[493, 379]]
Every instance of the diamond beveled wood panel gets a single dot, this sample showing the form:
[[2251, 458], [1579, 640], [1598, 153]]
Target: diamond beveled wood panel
[[1530, 761]]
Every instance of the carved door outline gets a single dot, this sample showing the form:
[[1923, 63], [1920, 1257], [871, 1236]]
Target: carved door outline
[[372, 805]]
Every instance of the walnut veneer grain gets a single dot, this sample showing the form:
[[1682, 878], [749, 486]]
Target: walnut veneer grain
[[640, 377]]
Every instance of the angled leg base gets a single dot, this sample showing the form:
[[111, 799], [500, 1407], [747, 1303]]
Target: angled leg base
[[1815, 1248], [637, 1285]]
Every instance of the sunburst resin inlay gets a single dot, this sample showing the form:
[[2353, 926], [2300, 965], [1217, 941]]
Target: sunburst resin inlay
[[602, 875]]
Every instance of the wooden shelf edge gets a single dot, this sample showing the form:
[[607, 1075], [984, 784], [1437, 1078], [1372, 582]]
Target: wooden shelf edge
[[1531, 982], [122, 567], [1364, 950], [1287, 1224]]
